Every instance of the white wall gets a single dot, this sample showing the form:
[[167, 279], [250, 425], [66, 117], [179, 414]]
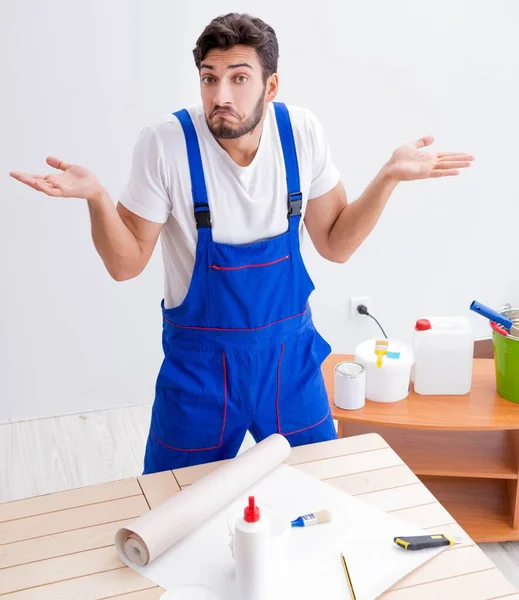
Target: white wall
[[80, 79]]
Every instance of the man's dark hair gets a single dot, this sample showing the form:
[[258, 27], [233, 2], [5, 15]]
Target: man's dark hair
[[234, 28]]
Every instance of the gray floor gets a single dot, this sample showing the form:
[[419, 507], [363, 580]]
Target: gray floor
[[50, 455]]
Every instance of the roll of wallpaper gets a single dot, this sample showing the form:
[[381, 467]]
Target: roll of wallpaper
[[149, 536]]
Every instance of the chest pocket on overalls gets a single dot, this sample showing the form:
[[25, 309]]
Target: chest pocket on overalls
[[250, 286]]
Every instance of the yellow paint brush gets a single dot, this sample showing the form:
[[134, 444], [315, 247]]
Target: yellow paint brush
[[380, 351]]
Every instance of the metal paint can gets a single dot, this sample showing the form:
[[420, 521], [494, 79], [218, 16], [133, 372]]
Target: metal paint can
[[350, 385]]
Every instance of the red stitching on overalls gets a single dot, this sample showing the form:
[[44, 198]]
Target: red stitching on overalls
[[224, 361], [305, 428], [279, 385], [274, 262], [277, 402], [236, 329], [224, 418]]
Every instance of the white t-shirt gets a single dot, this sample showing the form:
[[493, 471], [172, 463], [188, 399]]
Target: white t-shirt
[[247, 204]]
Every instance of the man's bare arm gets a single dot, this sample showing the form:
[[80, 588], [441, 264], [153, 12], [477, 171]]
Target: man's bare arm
[[337, 228], [124, 241]]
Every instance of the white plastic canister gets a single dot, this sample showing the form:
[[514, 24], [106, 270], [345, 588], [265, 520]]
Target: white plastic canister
[[390, 382], [443, 350]]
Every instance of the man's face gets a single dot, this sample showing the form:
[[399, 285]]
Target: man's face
[[234, 93]]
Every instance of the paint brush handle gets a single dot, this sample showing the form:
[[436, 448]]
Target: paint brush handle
[[484, 311]]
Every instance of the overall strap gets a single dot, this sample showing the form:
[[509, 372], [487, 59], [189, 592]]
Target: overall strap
[[196, 171], [288, 145]]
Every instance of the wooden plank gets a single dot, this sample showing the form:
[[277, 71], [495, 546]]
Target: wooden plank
[[54, 570], [513, 486], [513, 496], [154, 593], [158, 487], [334, 448], [39, 505], [483, 585], [374, 481], [398, 498], [425, 517], [74, 518], [59, 544], [347, 465], [452, 562], [102, 585], [188, 475]]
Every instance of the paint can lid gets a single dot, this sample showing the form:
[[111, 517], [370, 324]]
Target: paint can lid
[[349, 369]]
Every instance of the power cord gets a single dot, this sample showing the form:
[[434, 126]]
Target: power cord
[[363, 310]]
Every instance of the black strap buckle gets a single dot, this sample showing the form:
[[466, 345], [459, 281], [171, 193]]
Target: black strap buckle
[[295, 204], [202, 217]]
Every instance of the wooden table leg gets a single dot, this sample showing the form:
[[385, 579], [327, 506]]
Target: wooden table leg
[[348, 429], [513, 484], [341, 429]]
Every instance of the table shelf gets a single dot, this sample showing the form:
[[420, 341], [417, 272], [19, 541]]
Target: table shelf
[[488, 455], [481, 506]]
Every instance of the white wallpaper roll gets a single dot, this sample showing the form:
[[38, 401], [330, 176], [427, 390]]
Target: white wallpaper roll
[[156, 531]]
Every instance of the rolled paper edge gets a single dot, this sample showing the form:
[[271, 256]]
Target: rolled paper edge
[[131, 548]]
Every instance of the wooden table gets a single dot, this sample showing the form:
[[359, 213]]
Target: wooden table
[[60, 546], [464, 448]]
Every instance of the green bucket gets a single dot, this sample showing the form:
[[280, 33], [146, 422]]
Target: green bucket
[[506, 352]]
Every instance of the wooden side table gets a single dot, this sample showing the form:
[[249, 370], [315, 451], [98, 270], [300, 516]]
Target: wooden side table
[[465, 449]]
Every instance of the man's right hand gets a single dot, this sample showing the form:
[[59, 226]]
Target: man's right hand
[[124, 240], [73, 182]]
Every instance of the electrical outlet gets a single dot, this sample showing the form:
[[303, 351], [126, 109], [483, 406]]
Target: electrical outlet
[[354, 302]]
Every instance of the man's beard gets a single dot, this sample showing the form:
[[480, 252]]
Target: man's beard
[[224, 131]]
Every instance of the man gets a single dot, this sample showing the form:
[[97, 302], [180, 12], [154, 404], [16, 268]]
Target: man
[[227, 185]]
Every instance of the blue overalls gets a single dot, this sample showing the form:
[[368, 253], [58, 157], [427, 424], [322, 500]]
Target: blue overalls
[[241, 351]]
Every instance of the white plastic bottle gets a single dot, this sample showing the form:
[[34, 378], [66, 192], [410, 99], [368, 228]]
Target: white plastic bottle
[[443, 354], [252, 548]]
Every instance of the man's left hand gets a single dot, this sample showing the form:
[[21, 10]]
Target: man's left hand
[[409, 162]]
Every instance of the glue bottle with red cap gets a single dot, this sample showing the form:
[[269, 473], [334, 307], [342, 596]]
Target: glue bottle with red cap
[[252, 549]]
